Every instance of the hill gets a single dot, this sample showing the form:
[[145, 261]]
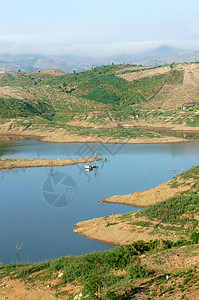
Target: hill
[[68, 63], [124, 103], [167, 55]]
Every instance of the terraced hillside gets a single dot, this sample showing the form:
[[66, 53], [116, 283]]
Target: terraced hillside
[[113, 101]]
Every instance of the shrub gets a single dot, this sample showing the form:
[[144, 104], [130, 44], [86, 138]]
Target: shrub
[[110, 295], [135, 272], [194, 237]]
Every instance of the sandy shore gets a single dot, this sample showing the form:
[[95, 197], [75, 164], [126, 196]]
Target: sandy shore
[[127, 228], [12, 163], [115, 230], [68, 138]]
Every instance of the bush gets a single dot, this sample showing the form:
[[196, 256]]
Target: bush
[[135, 272], [110, 295], [194, 237]]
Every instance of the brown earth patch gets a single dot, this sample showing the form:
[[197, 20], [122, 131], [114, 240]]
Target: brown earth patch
[[15, 289], [122, 229], [15, 92], [137, 75]]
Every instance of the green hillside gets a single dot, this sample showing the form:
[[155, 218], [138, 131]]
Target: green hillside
[[109, 96]]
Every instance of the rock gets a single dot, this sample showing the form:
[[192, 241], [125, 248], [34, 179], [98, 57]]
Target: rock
[[78, 297], [60, 274]]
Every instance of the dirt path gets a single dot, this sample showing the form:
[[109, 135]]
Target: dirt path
[[12, 163]]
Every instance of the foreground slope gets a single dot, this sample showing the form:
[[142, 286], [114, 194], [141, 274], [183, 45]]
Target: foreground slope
[[154, 270]]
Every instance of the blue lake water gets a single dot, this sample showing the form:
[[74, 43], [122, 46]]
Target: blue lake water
[[40, 206]]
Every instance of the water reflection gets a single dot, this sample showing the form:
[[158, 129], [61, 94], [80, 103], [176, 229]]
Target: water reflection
[[6, 172], [33, 209]]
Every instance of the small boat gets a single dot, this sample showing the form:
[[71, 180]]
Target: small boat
[[88, 168]]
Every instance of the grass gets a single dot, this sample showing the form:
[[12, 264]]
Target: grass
[[178, 213], [179, 210], [110, 224]]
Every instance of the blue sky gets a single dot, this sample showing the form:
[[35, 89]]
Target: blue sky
[[97, 27]]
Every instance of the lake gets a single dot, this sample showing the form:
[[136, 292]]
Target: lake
[[40, 206]]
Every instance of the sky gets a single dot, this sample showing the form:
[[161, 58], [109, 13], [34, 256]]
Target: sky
[[97, 27]]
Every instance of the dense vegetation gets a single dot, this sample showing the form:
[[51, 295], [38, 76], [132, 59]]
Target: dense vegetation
[[12, 108]]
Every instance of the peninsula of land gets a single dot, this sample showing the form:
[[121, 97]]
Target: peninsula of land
[[171, 210], [13, 163]]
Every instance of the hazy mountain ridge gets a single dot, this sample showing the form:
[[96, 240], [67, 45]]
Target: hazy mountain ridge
[[68, 63]]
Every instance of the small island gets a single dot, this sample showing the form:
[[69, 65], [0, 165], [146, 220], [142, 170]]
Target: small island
[[12, 163]]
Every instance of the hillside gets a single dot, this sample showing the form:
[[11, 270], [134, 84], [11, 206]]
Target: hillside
[[117, 102]]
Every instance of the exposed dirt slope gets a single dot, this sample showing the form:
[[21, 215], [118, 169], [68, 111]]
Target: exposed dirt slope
[[15, 92], [145, 73]]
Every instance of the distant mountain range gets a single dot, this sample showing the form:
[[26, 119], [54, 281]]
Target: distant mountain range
[[69, 63]]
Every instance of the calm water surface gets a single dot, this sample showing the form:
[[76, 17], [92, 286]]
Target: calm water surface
[[40, 206]]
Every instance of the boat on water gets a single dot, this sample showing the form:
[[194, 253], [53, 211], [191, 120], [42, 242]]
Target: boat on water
[[88, 168]]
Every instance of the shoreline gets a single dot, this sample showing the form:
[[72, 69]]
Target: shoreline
[[16, 162], [61, 135], [122, 229], [92, 139], [159, 193]]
